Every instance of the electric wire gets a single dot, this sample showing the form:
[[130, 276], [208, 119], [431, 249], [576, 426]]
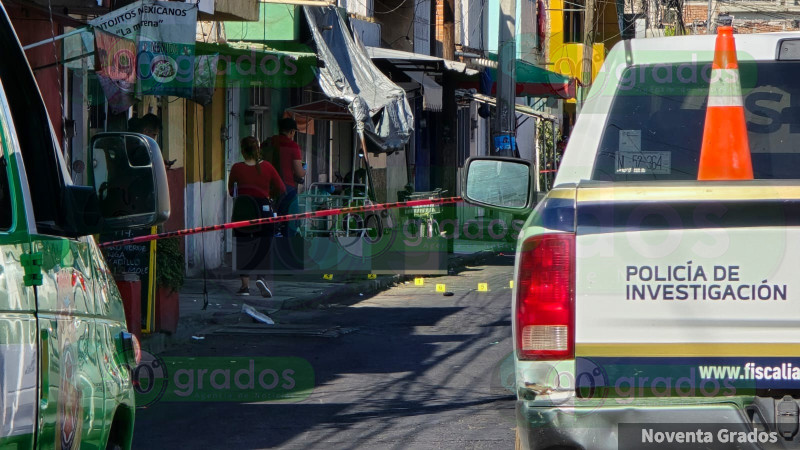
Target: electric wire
[[391, 10], [201, 177]]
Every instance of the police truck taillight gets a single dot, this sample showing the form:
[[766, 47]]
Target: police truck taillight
[[545, 298]]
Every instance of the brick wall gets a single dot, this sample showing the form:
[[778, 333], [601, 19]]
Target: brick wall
[[692, 13], [439, 26], [762, 27], [699, 13]]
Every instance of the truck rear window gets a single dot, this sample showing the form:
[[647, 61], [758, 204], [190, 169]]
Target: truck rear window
[[654, 130]]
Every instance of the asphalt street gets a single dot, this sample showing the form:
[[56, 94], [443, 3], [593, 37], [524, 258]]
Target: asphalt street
[[411, 368]]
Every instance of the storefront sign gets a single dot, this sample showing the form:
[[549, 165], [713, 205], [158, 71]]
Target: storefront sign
[[116, 69], [164, 33], [166, 49]]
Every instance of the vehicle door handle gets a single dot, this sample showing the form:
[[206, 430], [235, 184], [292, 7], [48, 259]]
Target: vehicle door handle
[[44, 367]]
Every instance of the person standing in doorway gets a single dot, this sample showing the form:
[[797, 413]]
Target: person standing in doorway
[[256, 187], [149, 125], [287, 157]]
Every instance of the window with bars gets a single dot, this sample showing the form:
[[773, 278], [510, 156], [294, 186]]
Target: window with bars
[[259, 106], [573, 21]]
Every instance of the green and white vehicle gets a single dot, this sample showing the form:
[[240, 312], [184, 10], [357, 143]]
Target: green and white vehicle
[[651, 309], [65, 353]]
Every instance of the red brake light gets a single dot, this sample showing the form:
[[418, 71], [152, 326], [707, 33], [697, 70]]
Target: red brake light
[[137, 349], [546, 298], [131, 348]]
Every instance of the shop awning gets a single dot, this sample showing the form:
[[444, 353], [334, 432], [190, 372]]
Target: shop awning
[[321, 110], [260, 64], [532, 80], [408, 61], [419, 68], [491, 101], [294, 50], [535, 81]]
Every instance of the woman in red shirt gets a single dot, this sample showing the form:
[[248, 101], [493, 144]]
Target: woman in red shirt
[[254, 185]]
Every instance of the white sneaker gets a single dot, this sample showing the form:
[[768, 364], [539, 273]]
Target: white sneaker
[[262, 286]]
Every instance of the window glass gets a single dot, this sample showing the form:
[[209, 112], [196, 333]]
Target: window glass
[[6, 210], [654, 129], [573, 21], [36, 142]]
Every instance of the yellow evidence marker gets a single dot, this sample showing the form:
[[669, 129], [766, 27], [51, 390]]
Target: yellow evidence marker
[[511, 284], [419, 281], [440, 288], [328, 276], [483, 287], [372, 276]]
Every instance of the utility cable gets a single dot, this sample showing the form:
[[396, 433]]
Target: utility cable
[[392, 10], [200, 155]]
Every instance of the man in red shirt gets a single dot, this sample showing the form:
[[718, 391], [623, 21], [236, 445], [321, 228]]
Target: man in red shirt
[[284, 153], [290, 156]]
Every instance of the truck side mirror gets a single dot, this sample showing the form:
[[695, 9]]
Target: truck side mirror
[[499, 183], [127, 172]]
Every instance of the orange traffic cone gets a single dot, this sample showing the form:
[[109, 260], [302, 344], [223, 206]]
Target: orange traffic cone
[[725, 154]]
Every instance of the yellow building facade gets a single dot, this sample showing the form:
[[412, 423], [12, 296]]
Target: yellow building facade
[[564, 36]]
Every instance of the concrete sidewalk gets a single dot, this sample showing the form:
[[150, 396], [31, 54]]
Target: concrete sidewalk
[[288, 293]]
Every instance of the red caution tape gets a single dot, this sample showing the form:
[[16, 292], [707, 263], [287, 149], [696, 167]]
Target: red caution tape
[[269, 220]]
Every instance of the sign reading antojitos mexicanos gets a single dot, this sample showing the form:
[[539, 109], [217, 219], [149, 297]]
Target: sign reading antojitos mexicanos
[[149, 48], [166, 49], [164, 33]]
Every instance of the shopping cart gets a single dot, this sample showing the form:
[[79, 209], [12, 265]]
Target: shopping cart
[[320, 196], [423, 217]]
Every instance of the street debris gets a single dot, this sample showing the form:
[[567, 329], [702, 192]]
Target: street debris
[[198, 338], [261, 317], [284, 330], [448, 294]]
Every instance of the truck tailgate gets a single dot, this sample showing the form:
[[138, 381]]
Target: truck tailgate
[[690, 280]]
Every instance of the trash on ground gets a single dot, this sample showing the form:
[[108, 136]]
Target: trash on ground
[[448, 294], [259, 316], [285, 330]]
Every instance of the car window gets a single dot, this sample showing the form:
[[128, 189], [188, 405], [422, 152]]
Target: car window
[[654, 129], [6, 211], [36, 142]]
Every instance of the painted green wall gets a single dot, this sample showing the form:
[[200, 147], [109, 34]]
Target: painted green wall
[[277, 22]]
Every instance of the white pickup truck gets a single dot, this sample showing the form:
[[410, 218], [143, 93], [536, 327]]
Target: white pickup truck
[[650, 309]]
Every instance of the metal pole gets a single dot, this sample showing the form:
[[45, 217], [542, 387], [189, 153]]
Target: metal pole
[[588, 53], [708, 20], [56, 38], [555, 150], [367, 169], [505, 125]]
